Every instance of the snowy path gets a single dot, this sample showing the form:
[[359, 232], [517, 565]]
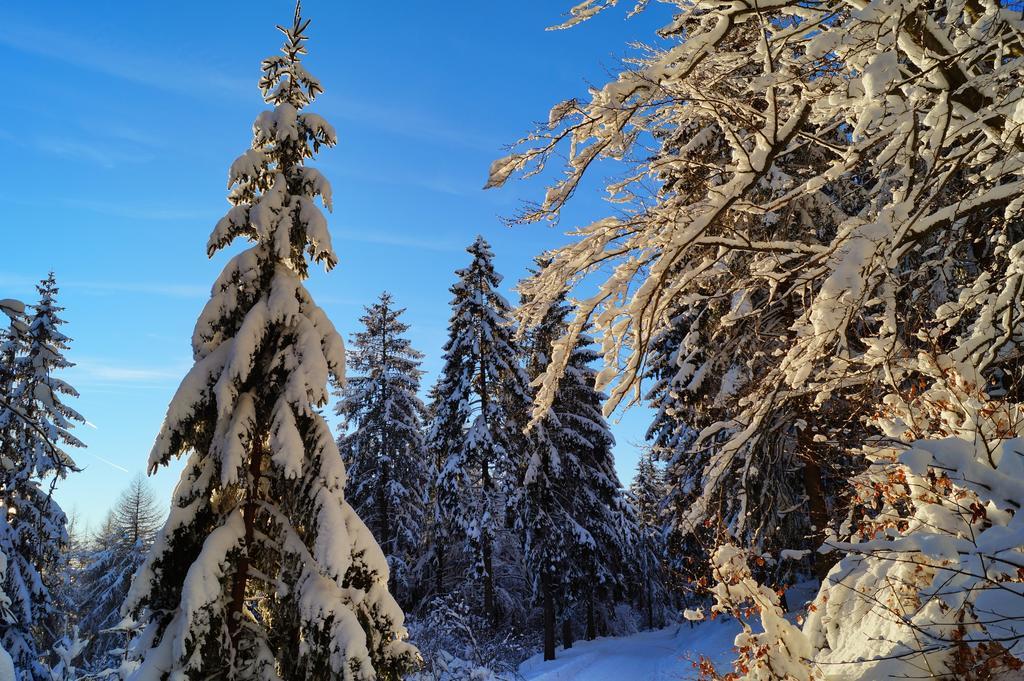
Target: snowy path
[[663, 655]]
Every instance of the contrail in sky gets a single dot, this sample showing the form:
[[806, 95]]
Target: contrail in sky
[[108, 462]]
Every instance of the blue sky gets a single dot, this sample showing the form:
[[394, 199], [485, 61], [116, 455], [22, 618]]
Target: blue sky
[[121, 119]]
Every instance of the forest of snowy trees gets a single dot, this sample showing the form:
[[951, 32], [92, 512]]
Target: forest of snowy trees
[[812, 274]]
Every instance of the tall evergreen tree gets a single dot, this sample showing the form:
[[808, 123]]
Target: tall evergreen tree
[[544, 505], [549, 531], [110, 560], [434, 556], [70, 565], [647, 494], [576, 524], [35, 427], [14, 310], [601, 529], [477, 433], [602, 509], [673, 355], [382, 437], [262, 569], [42, 393], [7, 671], [12, 344]]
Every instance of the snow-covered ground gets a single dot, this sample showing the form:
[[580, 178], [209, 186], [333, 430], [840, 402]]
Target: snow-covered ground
[[663, 655]]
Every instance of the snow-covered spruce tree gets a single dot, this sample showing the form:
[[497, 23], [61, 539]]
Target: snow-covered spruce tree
[[601, 508], [101, 586], [549, 531], [647, 494], [433, 567], [477, 433], [7, 671], [544, 504], [14, 310], [591, 526], [42, 394], [35, 426], [837, 202], [262, 569], [12, 347], [674, 396], [382, 439], [109, 562], [12, 340], [68, 567]]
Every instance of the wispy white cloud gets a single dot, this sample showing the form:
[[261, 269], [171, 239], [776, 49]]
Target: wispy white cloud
[[401, 120], [133, 209], [106, 371], [153, 288], [101, 154], [127, 134], [376, 236], [142, 211], [169, 75], [172, 290], [124, 374], [201, 81], [85, 147], [97, 141], [431, 179]]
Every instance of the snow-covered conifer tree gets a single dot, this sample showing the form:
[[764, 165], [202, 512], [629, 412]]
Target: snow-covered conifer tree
[[647, 497], [109, 562], [669, 434], [434, 557], [830, 194], [262, 569], [476, 435], [590, 527], [382, 437], [647, 491], [549, 531], [544, 504], [12, 343], [42, 394], [7, 671], [673, 397], [35, 426], [14, 310]]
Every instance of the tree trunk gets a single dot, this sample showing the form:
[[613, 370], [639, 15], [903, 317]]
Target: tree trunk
[[650, 604], [485, 467], [384, 482], [591, 623], [549, 617], [384, 512], [234, 622], [819, 512], [566, 631], [439, 576], [489, 610]]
